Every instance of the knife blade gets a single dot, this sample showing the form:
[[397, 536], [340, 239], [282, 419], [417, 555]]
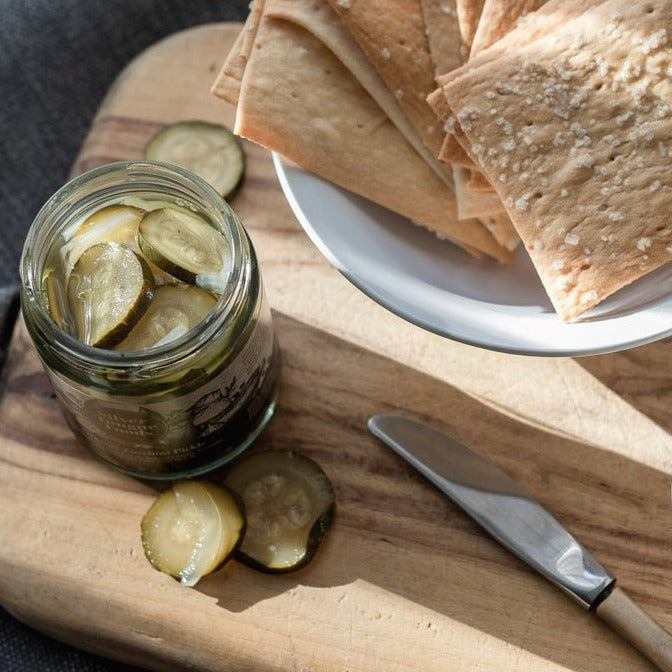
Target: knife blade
[[504, 509]]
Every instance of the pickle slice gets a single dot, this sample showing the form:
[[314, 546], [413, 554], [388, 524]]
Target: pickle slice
[[174, 310], [289, 504], [109, 289], [191, 530], [182, 245], [113, 223], [56, 301], [209, 150]]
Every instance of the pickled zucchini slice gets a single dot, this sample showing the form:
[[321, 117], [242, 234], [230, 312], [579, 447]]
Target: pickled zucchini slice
[[209, 150], [289, 504], [56, 301], [113, 223], [174, 310], [183, 245], [109, 289], [191, 530]]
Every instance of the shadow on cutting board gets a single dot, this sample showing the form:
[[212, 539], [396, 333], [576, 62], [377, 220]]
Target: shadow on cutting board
[[641, 376], [401, 562], [394, 532]]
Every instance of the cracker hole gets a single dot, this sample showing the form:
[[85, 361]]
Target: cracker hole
[[660, 228], [529, 123], [603, 208], [612, 157], [294, 95], [598, 86], [402, 42], [538, 194], [584, 267], [649, 9]]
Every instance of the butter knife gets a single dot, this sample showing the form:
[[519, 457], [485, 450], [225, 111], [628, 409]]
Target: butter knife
[[505, 510]]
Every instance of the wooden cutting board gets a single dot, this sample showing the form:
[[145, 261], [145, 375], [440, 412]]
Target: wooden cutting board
[[404, 580]]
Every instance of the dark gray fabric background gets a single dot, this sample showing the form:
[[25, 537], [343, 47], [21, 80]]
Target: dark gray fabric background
[[57, 59]]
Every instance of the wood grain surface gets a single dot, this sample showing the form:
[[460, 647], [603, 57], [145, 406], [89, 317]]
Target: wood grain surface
[[404, 580]]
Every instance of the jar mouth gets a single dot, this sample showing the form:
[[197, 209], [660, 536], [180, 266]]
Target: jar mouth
[[111, 184]]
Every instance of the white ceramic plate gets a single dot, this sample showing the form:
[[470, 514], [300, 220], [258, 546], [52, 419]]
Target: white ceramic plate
[[442, 289]]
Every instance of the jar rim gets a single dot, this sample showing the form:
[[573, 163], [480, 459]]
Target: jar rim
[[97, 182]]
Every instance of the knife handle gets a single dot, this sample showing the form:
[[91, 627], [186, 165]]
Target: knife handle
[[637, 627]]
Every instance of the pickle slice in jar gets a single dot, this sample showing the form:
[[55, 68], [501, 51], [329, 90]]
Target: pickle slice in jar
[[289, 504], [113, 223], [209, 150], [174, 310], [183, 245], [109, 289], [191, 530], [55, 297]]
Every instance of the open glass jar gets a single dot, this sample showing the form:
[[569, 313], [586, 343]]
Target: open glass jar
[[186, 404]]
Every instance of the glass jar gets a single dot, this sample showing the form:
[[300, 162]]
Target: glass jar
[[174, 410]]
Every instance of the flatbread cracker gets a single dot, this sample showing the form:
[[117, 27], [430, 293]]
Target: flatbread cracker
[[453, 152], [498, 18], [318, 18], [447, 53], [468, 14], [502, 229], [581, 140], [298, 99], [479, 182], [227, 84], [443, 35], [550, 17], [392, 36], [489, 206], [471, 204]]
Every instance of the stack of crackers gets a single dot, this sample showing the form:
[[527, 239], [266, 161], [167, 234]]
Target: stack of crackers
[[489, 122]]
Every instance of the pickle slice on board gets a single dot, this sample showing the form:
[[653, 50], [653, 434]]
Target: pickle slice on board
[[191, 530], [211, 151], [109, 289], [183, 245], [289, 504], [174, 310]]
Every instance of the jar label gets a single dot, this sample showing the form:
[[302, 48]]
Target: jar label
[[180, 431]]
